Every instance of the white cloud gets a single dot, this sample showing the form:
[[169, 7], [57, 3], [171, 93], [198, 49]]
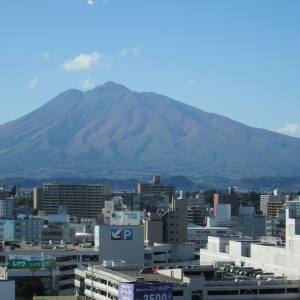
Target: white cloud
[[90, 2], [44, 55], [125, 52], [95, 60], [291, 129], [85, 62], [33, 82], [88, 83], [190, 82]]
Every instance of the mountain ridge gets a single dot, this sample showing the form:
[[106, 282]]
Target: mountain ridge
[[113, 131]]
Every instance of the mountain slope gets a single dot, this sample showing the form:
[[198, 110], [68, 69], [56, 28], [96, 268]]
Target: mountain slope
[[112, 131]]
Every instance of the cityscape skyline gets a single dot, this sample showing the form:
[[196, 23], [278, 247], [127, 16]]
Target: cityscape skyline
[[236, 59]]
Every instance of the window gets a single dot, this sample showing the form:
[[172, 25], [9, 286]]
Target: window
[[223, 292], [177, 293]]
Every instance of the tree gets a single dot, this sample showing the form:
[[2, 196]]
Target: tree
[[27, 288], [209, 197], [13, 191]]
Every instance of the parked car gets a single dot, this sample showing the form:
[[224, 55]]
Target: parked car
[[34, 243], [75, 244], [147, 270], [237, 271], [264, 276], [232, 269], [241, 278], [251, 272], [85, 245], [59, 247], [276, 278], [255, 273], [245, 270], [224, 267], [228, 276]]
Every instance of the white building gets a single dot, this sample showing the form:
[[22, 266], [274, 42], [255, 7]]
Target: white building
[[170, 254], [281, 260], [58, 229], [199, 235], [126, 217], [116, 214], [247, 223], [96, 282]]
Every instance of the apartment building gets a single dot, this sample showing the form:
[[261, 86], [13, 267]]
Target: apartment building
[[272, 208], [197, 210], [230, 198], [156, 188], [80, 200], [26, 229], [169, 227], [265, 199], [6, 208]]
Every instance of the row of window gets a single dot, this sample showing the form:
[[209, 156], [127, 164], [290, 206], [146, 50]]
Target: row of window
[[254, 291]]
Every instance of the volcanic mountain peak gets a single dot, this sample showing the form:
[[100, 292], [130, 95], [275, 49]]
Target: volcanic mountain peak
[[112, 131]]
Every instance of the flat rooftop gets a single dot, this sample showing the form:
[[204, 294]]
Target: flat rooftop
[[26, 248]]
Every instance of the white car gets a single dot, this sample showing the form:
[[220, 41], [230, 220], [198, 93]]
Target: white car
[[276, 278], [241, 278], [265, 276]]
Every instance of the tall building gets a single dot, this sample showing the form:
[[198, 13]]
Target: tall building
[[37, 198], [197, 214], [175, 222], [80, 200], [272, 208], [197, 210], [264, 199], [169, 227], [230, 198], [156, 188], [6, 208]]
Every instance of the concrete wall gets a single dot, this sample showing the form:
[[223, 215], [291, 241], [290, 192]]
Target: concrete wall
[[154, 231], [7, 288], [182, 252], [112, 245]]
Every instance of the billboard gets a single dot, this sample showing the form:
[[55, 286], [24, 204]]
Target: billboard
[[121, 234], [152, 291], [29, 262]]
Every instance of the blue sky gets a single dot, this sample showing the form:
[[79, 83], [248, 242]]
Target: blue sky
[[239, 59]]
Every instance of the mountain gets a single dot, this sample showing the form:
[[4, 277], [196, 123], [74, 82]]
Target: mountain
[[114, 132]]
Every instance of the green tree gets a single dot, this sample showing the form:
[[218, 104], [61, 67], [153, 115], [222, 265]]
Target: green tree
[[25, 201], [14, 190], [209, 197]]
